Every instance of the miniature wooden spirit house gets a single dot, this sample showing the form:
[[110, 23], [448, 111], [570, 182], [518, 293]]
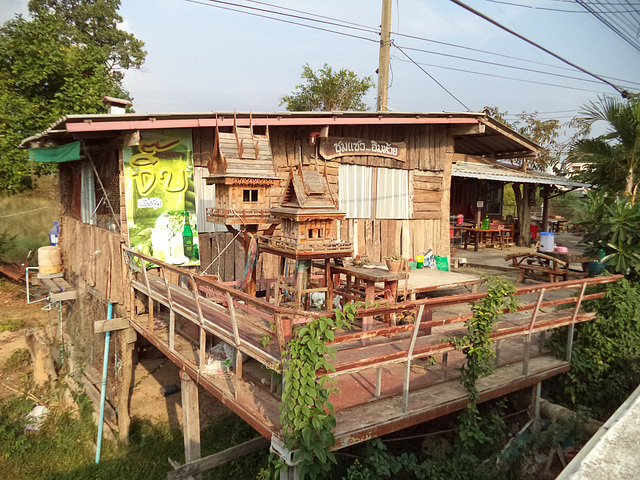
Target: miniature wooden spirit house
[[243, 171], [308, 214]]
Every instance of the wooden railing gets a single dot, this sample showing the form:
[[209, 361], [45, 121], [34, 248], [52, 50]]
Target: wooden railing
[[352, 358], [239, 319], [214, 306]]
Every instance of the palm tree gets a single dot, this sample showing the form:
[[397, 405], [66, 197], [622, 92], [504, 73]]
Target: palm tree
[[613, 157]]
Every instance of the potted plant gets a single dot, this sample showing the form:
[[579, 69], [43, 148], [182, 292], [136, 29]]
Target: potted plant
[[395, 263]]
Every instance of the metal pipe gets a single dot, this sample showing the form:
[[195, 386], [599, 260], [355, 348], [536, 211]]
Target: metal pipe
[[103, 391]]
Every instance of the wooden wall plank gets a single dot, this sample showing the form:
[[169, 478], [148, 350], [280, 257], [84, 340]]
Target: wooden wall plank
[[368, 233]]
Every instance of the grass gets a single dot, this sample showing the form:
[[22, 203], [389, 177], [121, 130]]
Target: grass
[[65, 446], [19, 358], [11, 324], [26, 219]]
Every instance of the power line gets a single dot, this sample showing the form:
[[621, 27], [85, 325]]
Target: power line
[[430, 76], [608, 23], [622, 92], [501, 65], [225, 5], [212, 3], [552, 9], [494, 75]]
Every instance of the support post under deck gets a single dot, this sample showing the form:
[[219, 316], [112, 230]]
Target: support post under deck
[[190, 419]]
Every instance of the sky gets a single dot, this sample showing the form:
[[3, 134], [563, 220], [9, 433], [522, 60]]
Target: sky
[[202, 58]]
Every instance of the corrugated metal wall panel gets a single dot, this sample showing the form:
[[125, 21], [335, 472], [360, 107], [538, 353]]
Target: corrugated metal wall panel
[[205, 198], [393, 193], [88, 194], [354, 188]]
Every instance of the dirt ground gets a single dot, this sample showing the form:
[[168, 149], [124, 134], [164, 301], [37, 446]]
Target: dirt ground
[[152, 372]]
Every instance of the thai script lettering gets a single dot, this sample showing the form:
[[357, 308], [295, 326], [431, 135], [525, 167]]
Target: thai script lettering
[[143, 168], [152, 202], [384, 148], [348, 147]]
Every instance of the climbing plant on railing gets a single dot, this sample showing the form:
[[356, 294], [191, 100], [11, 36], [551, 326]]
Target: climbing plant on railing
[[307, 416], [476, 345]]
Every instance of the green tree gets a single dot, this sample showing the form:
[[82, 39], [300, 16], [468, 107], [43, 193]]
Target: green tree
[[61, 60], [612, 158], [612, 226], [328, 90], [545, 133]]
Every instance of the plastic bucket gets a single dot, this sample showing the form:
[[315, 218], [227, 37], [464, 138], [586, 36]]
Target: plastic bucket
[[547, 242], [49, 260], [533, 230]]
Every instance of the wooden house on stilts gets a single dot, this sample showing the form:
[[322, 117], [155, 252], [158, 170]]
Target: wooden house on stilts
[[139, 192]]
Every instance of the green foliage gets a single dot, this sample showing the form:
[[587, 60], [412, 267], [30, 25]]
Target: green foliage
[[11, 325], [613, 159], [64, 448], [606, 351], [13, 440], [7, 242], [19, 358], [544, 133], [378, 463], [307, 416], [613, 226], [62, 60], [476, 345], [326, 90]]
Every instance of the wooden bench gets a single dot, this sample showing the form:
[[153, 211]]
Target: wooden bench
[[538, 265]]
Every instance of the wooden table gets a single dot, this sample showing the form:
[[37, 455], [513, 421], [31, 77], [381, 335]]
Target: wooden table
[[481, 235], [556, 225], [360, 285], [551, 265]]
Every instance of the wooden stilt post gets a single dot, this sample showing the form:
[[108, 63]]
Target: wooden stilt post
[[126, 343], [535, 405], [190, 420]]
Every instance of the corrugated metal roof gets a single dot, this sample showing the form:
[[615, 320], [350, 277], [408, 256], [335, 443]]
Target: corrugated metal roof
[[510, 175]]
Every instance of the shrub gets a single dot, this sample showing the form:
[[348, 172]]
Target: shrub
[[606, 351]]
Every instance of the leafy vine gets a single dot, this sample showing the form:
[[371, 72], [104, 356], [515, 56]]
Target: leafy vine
[[476, 345], [307, 417]]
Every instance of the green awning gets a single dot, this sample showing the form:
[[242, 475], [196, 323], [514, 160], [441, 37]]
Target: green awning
[[63, 153]]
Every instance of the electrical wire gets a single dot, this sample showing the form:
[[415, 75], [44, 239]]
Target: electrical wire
[[359, 27], [486, 62], [552, 9], [337, 22], [211, 3], [430, 76], [608, 23], [622, 92], [494, 75]]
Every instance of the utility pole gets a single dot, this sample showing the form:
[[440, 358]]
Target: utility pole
[[385, 48]]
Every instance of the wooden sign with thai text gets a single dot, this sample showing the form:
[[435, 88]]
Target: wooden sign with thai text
[[334, 147]]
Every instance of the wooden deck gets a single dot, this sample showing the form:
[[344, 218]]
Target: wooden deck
[[385, 384]]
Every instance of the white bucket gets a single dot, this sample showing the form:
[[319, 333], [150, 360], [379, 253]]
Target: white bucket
[[49, 260], [547, 243]]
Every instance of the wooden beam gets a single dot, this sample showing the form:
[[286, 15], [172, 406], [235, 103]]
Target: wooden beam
[[190, 420], [219, 458], [57, 297], [118, 323]]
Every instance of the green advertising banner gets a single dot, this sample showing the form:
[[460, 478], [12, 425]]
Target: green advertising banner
[[160, 197]]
